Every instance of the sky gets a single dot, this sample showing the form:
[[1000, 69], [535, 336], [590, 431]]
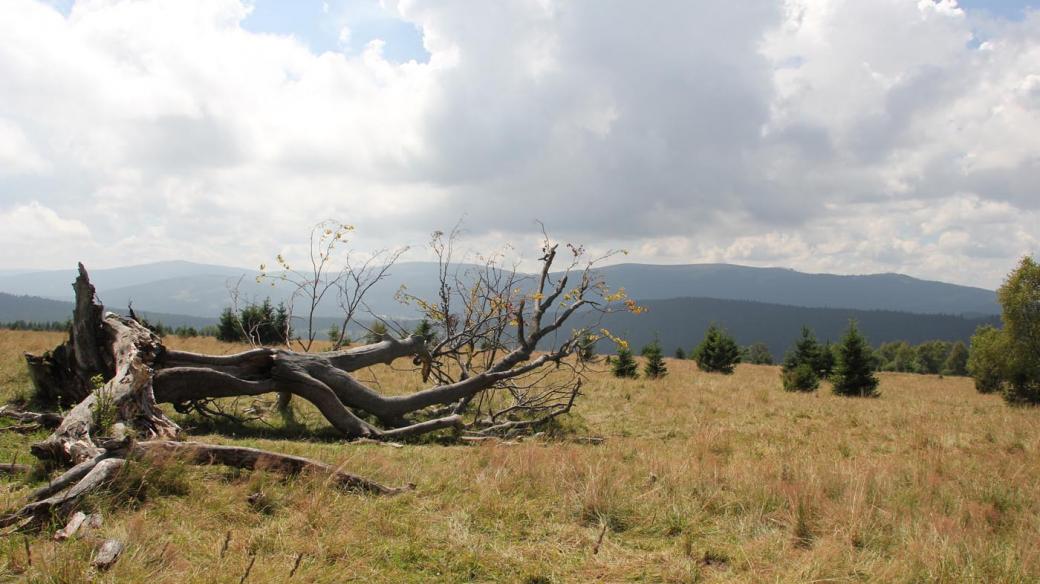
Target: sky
[[822, 135]]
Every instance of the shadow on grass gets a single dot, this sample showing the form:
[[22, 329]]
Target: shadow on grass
[[288, 427]]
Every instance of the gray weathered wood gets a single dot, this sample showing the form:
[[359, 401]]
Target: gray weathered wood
[[107, 554]]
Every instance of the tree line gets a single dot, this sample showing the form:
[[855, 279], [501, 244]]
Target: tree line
[[1003, 360]]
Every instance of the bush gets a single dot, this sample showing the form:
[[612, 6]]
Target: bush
[[805, 350], [800, 378], [986, 360], [854, 371], [624, 365], [931, 356], [1020, 312], [587, 349], [805, 363], [718, 352], [375, 333], [260, 324], [758, 354], [680, 353], [425, 330], [824, 365], [655, 367], [957, 361]]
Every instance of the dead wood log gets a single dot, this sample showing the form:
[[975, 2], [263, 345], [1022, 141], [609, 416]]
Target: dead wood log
[[488, 349], [78, 521], [64, 374], [43, 420], [255, 459], [71, 527], [125, 399], [39, 512], [13, 468]]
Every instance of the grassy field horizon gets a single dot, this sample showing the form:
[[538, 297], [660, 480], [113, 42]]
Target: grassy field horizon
[[701, 478]]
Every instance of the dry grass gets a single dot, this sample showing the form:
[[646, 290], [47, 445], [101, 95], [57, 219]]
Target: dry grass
[[702, 478]]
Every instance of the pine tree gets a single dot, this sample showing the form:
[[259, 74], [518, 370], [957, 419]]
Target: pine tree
[[282, 326], [624, 365], [680, 353], [801, 378], [825, 363], [376, 333], [587, 349], [655, 367], [718, 352], [228, 328], [806, 350], [854, 371], [425, 330]]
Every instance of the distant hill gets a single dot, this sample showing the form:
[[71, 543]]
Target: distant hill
[[35, 309], [783, 286], [681, 322], [57, 284], [202, 290]]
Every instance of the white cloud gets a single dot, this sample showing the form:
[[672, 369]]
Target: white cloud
[[17, 155], [40, 229], [818, 134]]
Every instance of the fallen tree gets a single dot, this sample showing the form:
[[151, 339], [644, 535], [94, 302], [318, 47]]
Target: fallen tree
[[498, 362]]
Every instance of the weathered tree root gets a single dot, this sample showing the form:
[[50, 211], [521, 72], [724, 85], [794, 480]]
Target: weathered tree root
[[61, 496], [59, 505]]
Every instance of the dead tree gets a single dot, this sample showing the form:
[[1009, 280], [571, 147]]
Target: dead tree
[[501, 364]]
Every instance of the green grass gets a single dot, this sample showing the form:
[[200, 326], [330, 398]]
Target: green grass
[[702, 478]]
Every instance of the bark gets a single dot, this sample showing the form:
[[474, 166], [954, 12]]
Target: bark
[[64, 374], [125, 401]]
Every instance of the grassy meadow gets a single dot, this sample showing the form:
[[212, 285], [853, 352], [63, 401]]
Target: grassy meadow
[[701, 478]]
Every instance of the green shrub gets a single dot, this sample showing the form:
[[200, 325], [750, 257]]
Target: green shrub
[[587, 348], [986, 359], [854, 371], [376, 333], [800, 378], [624, 364], [758, 354], [718, 352], [655, 367], [1020, 311], [957, 361]]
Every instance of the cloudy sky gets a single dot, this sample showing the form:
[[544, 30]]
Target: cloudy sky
[[824, 135]]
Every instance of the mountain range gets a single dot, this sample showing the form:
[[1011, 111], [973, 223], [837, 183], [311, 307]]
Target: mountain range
[[757, 304]]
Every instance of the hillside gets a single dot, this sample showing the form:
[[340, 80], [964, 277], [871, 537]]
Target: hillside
[[34, 309], [783, 286], [676, 322], [681, 322], [202, 290]]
